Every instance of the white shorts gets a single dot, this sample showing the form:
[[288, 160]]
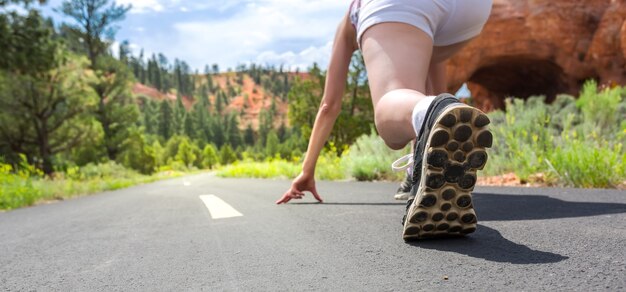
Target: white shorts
[[445, 21]]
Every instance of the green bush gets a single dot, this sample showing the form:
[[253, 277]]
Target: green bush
[[209, 156], [277, 168], [186, 153], [328, 168], [370, 159], [582, 164], [26, 185], [16, 189], [138, 154], [576, 143], [227, 155]]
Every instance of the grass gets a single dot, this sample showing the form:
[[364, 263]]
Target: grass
[[367, 159], [28, 187], [370, 159], [329, 167]]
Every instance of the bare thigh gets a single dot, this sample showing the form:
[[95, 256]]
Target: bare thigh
[[397, 56], [443, 53], [436, 83]]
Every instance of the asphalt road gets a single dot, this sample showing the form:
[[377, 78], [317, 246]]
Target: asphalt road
[[162, 237]]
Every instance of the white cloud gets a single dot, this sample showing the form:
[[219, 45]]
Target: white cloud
[[265, 32], [301, 60], [143, 6], [293, 33]]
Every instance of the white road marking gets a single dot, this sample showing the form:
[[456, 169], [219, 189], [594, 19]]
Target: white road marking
[[218, 208], [186, 183]]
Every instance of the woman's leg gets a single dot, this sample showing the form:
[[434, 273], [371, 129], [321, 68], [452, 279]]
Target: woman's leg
[[402, 65], [397, 57]]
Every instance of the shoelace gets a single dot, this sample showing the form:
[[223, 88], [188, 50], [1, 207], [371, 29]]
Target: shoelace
[[406, 159]]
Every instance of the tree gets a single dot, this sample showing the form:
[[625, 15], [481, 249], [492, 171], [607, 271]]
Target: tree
[[248, 136], [124, 52], [357, 107], [304, 100], [265, 125], [209, 156], [186, 153], [233, 134], [138, 154], [166, 129], [272, 144], [188, 127], [27, 43], [227, 155], [179, 115], [151, 115], [357, 77], [202, 122], [93, 32], [217, 129], [45, 113], [94, 24], [117, 109]]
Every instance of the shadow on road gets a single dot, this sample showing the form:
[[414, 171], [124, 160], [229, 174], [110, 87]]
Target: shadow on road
[[489, 244], [498, 207]]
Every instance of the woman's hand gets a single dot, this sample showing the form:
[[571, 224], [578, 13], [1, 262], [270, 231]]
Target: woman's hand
[[299, 185]]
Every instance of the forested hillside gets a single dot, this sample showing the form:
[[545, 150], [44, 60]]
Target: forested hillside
[[67, 100]]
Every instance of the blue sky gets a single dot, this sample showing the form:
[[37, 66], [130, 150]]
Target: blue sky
[[294, 33]]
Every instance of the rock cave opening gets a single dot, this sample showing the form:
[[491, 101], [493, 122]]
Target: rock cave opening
[[519, 77]]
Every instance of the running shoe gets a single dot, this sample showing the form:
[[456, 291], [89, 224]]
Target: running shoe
[[451, 148], [404, 191]]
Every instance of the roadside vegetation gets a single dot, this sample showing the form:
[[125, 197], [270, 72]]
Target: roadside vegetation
[[28, 185], [571, 142]]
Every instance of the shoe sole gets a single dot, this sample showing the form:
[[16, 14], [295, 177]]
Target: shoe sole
[[455, 151]]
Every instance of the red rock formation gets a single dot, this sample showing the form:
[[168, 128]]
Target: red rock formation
[[543, 47]]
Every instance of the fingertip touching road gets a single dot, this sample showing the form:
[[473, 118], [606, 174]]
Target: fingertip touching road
[[213, 234]]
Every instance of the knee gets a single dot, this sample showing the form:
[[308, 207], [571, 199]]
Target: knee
[[394, 145], [386, 131], [387, 111], [391, 120]]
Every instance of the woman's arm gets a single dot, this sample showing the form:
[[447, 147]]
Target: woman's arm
[[343, 47], [330, 106]]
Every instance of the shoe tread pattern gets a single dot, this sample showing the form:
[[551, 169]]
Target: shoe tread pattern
[[454, 152]]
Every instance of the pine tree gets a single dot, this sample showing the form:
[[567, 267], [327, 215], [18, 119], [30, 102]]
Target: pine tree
[[93, 28], [46, 113], [233, 136], [166, 121], [265, 125], [271, 144], [248, 137], [150, 112], [179, 115], [188, 126], [219, 106], [202, 122], [217, 130]]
